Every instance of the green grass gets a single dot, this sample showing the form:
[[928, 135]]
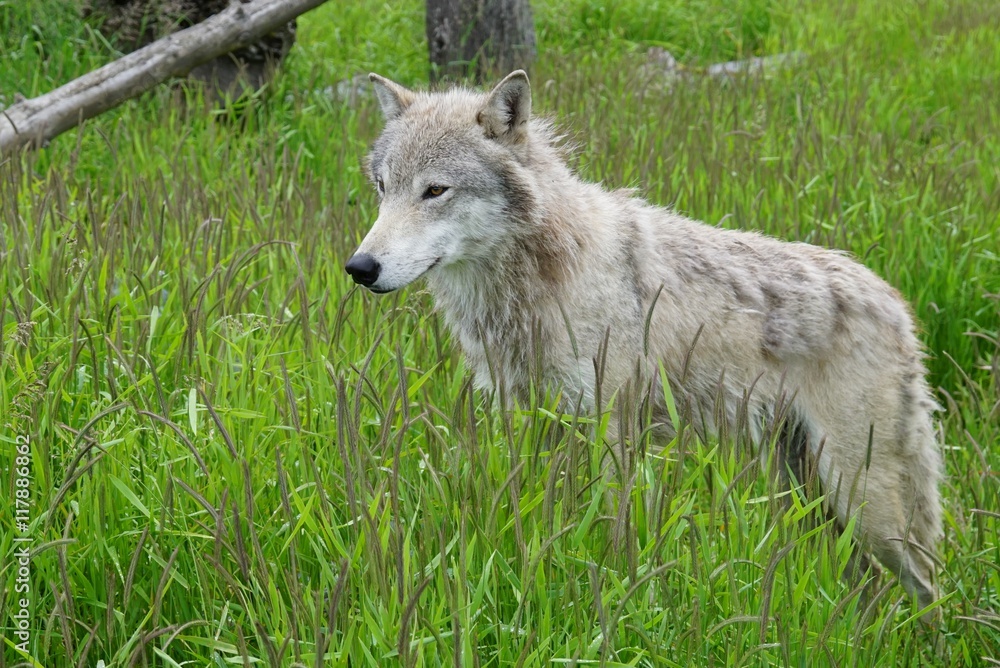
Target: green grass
[[699, 31], [238, 458]]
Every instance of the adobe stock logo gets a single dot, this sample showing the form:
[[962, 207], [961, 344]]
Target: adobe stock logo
[[21, 615]]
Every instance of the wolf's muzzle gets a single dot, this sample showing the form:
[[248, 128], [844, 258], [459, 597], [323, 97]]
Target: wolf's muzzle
[[364, 269]]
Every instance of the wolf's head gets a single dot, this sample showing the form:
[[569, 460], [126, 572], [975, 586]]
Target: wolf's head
[[446, 170]]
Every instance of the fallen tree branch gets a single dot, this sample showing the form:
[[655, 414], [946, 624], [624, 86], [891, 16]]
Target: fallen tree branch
[[34, 122]]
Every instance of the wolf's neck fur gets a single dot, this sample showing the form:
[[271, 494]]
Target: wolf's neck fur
[[493, 302]]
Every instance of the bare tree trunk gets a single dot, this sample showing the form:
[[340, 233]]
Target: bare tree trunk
[[479, 38], [133, 24], [39, 119]]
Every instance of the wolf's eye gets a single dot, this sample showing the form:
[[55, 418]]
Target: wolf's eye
[[381, 186], [434, 191]]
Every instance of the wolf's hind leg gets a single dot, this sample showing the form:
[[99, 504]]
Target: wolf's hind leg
[[884, 522], [920, 480]]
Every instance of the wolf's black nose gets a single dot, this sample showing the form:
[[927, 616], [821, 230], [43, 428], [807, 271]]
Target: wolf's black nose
[[363, 269]]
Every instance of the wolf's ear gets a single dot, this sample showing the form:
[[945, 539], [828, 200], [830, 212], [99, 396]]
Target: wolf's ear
[[505, 114], [393, 98]]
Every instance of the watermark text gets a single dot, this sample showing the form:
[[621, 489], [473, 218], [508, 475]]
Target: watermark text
[[21, 615]]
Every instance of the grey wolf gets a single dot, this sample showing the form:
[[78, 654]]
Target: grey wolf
[[523, 256]]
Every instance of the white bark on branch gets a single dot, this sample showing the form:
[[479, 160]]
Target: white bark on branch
[[39, 119]]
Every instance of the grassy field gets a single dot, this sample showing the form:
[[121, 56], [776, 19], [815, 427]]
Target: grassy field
[[236, 458]]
